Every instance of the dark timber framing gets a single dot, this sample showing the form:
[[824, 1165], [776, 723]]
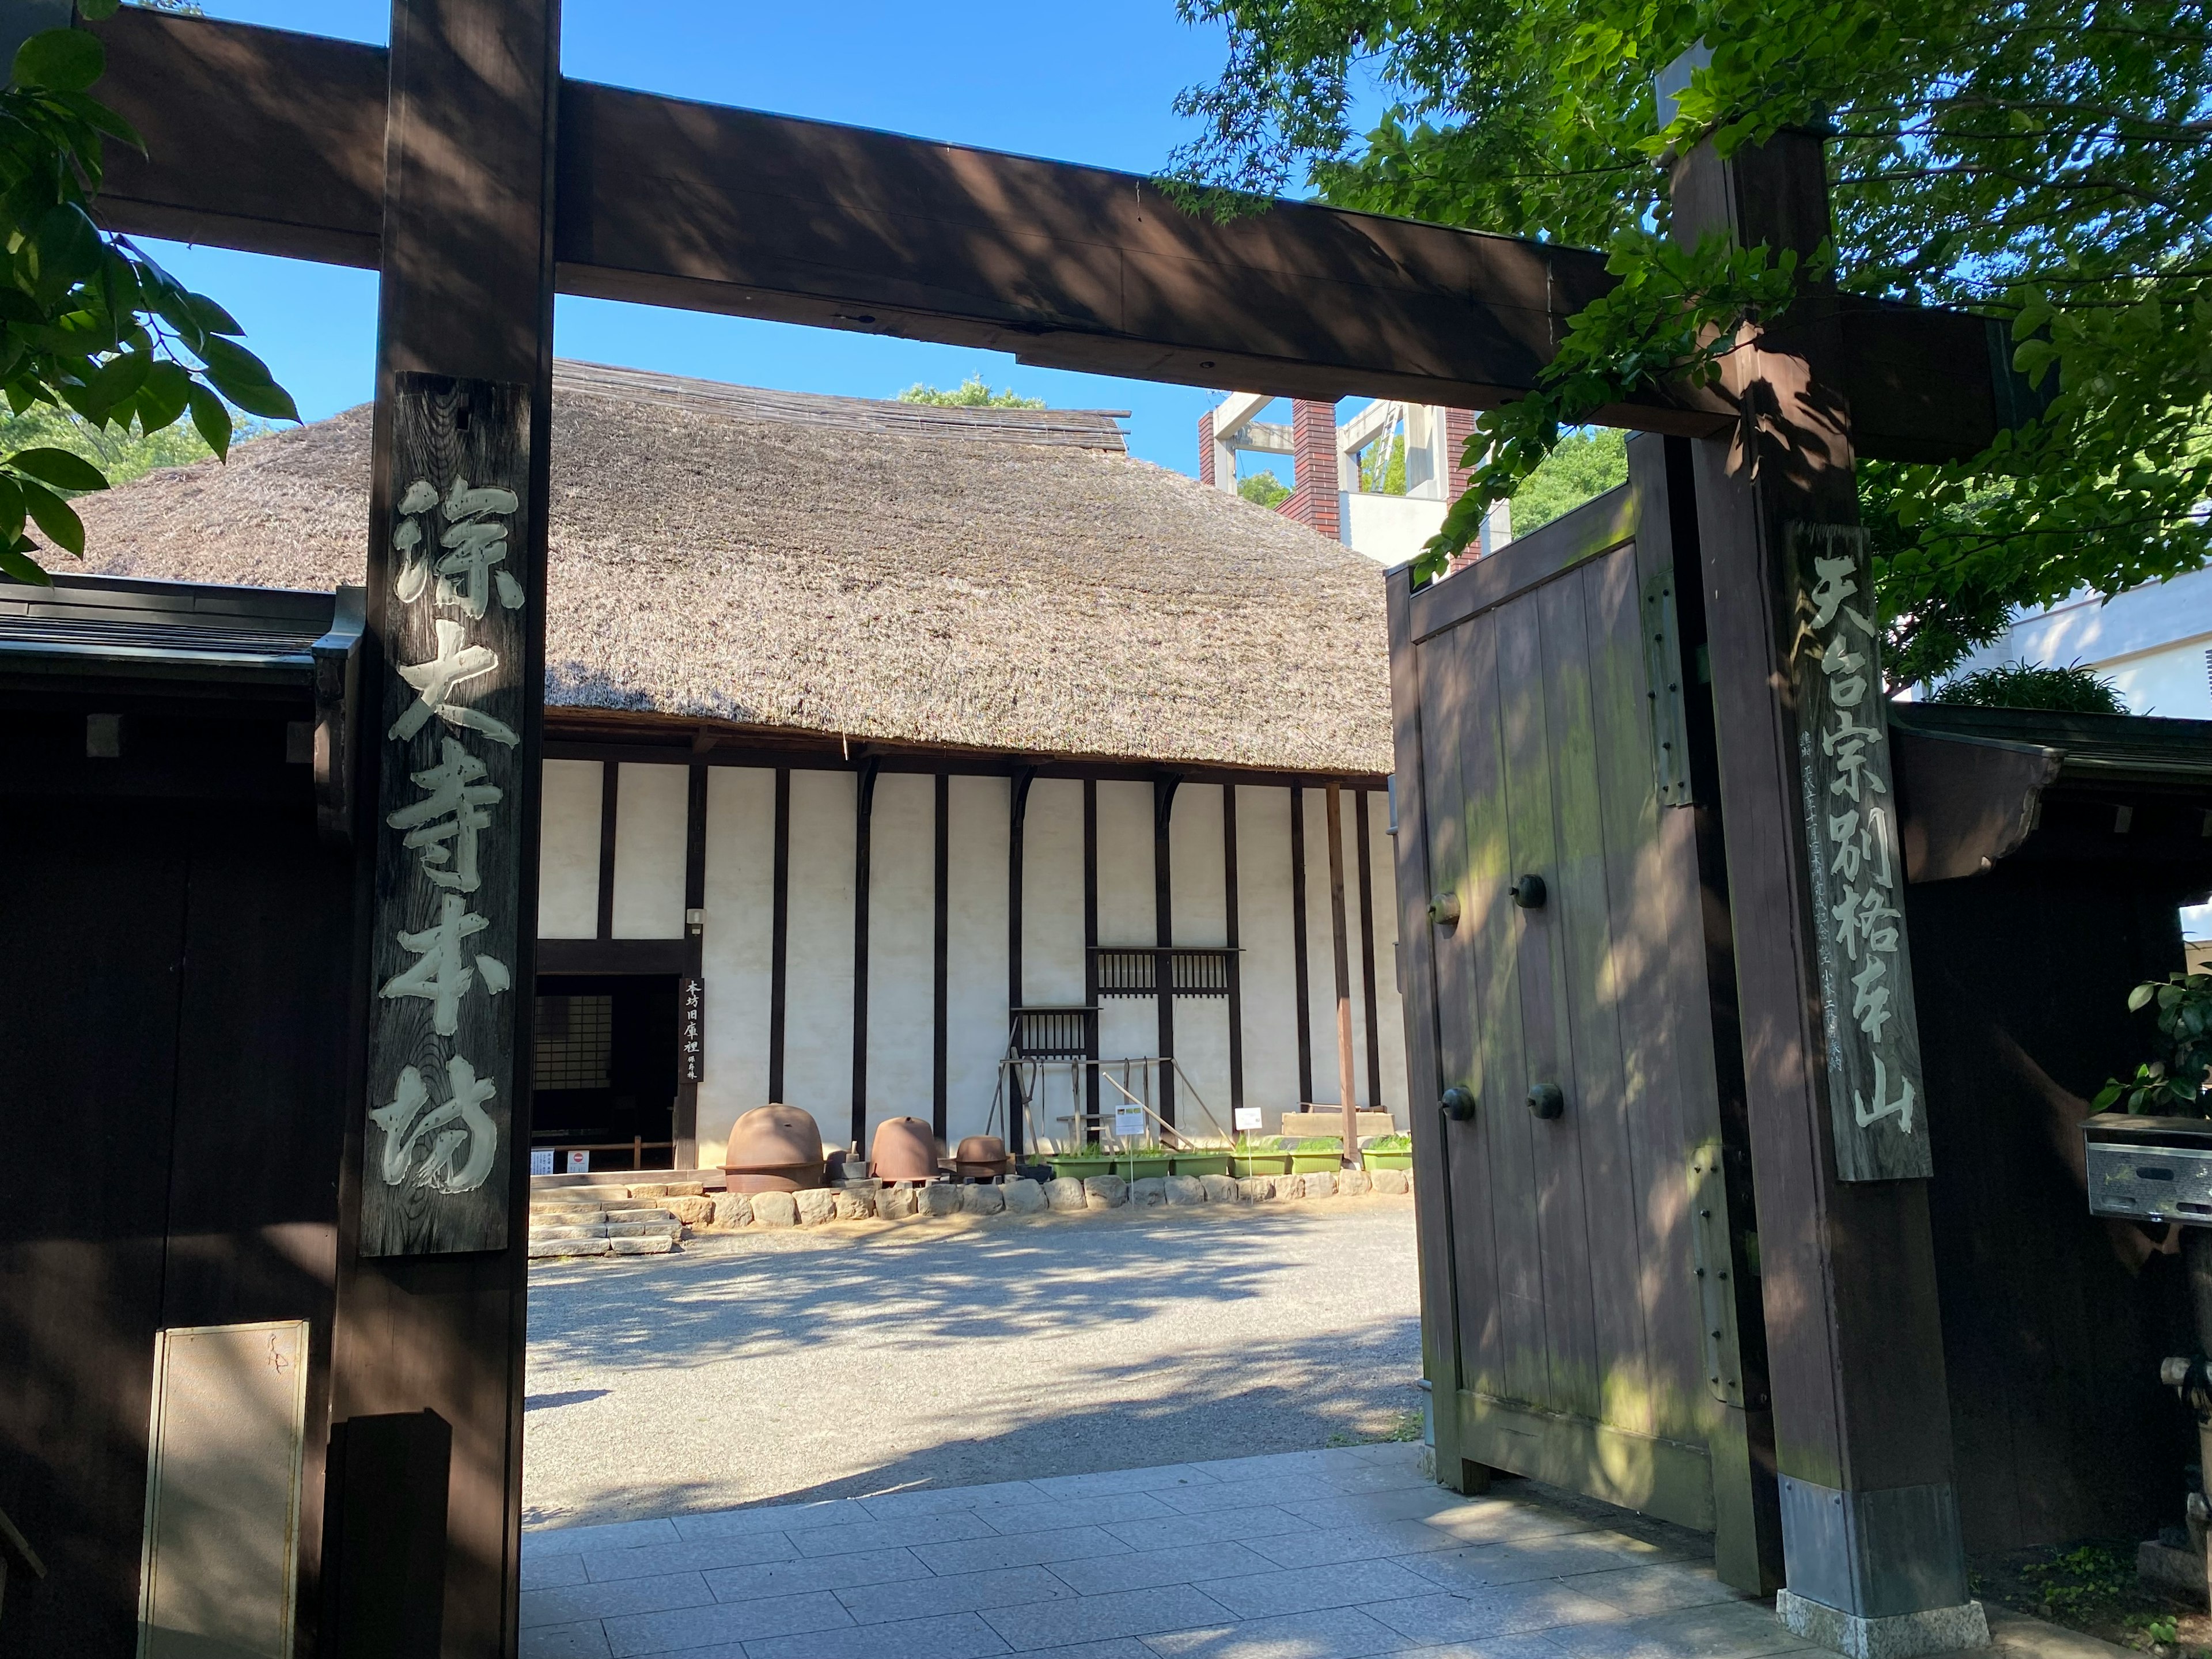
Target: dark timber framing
[[465, 247], [779, 935], [685, 1132], [1164, 794], [844, 228], [609, 825], [864, 811], [1367, 953], [1347, 1081], [1299, 975], [1090, 954], [942, 949], [1018, 813], [1235, 953]]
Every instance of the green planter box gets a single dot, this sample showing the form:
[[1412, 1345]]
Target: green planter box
[[1308, 1161], [1145, 1166], [1374, 1160], [1077, 1169], [1247, 1164], [1202, 1164]]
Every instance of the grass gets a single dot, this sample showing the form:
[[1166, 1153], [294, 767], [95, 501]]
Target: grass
[[1406, 1429]]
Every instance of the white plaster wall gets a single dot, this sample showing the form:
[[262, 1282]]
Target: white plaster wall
[[651, 807], [1197, 891], [1320, 950], [1128, 1027], [1390, 1008], [1263, 887], [568, 850], [735, 950], [1052, 894], [976, 958], [817, 1041], [901, 948]]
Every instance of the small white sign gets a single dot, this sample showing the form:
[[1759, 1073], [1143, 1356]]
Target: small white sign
[[541, 1160], [579, 1164], [1129, 1122], [1247, 1117]]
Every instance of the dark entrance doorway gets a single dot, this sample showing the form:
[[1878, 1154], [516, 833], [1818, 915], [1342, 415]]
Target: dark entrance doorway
[[605, 1071]]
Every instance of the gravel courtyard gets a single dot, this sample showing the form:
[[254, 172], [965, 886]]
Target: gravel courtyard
[[956, 1352]]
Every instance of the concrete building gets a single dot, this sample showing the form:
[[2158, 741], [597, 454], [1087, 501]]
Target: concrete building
[[2154, 643], [1326, 457], [870, 724]]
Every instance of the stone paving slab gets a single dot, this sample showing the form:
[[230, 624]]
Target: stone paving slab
[[1327, 1554], [1389, 1566]]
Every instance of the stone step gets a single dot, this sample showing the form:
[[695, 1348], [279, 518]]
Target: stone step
[[638, 1212], [661, 1245], [670, 1229], [542, 1248], [566, 1215], [538, 1232]]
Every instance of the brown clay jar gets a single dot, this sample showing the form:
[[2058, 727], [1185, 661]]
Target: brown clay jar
[[774, 1149], [905, 1149]]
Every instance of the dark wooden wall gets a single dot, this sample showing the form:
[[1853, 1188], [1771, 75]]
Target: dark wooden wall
[[2053, 1322], [177, 944]]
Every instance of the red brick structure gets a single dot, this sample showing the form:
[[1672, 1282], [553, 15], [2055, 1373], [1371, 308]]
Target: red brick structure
[[1206, 448], [1313, 461], [1459, 427]]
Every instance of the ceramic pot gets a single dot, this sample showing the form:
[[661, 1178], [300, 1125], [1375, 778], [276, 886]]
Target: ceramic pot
[[774, 1149], [904, 1149]]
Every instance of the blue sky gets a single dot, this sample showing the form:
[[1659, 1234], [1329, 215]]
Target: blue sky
[[1089, 84]]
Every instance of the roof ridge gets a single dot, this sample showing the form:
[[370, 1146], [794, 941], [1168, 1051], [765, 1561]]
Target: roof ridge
[[1084, 428]]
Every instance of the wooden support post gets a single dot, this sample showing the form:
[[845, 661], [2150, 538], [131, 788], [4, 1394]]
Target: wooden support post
[[1862, 1415], [690, 1014], [1235, 954], [1164, 794], [1347, 1079], [779, 936], [863, 814], [610, 830], [1300, 969], [1091, 957], [1369, 1004], [431, 1280], [1017, 812], [941, 949]]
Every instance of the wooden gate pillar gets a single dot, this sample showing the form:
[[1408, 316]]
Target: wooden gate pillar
[[435, 1189], [1871, 1537]]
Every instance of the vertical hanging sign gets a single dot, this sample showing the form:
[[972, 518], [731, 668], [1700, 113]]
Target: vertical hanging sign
[[443, 1012], [691, 1032], [1876, 1106]]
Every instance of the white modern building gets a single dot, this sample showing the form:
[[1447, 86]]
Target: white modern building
[[2154, 643], [1327, 454]]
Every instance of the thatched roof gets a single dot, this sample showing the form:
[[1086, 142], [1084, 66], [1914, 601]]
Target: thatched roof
[[992, 578]]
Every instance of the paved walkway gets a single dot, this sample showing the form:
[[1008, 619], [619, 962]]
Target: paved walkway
[[1327, 1554], [953, 1353]]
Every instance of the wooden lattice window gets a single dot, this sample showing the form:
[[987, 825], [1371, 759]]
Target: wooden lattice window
[[575, 1041]]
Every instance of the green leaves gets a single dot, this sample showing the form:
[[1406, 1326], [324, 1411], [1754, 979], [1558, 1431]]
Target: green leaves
[[60, 60], [88, 324], [57, 467], [2174, 1084]]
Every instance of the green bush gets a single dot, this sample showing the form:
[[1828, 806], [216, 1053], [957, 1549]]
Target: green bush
[[2072, 689]]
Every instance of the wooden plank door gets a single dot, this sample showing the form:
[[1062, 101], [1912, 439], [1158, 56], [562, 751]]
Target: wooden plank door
[[1585, 1294]]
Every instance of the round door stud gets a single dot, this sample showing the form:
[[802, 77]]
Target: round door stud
[[1459, 1104], [1546, 1100], [1528, 892], [1443, 911]]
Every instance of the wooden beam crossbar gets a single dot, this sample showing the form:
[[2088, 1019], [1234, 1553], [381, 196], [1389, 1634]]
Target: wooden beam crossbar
[[273, 142]]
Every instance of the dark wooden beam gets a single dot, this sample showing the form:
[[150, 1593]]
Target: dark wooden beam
[[1235, 953], [1017, 812], [273, 142], [462, 177], [1367, 956], [610, 827], [941, 954], [863, 814], [685, 1133], [1164, 794], [1863, 1424], [1091, 954], [1298, 966], [1347, 1079], [779, 983]]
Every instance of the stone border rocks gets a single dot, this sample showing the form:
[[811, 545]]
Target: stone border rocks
[[650, 1218]]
